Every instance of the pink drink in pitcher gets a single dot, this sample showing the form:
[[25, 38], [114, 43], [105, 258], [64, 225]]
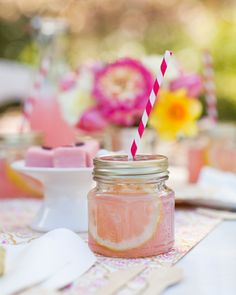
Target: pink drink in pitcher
[[46, 117]]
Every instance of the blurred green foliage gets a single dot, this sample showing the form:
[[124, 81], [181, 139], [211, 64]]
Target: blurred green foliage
[[14, 36]]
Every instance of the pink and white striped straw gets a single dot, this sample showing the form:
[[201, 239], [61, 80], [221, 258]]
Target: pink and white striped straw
[[150, 103], [209, 86], [36, 87]]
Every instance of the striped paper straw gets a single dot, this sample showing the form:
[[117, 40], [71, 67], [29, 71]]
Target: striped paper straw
[[209, 86], [150, 103], [35, 90]]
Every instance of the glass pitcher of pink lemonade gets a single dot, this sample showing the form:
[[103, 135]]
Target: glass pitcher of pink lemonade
[[131, 210], [47, 118], [46, 115]]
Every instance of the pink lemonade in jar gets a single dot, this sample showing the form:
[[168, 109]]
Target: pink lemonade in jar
[[196, 161], [7, 189], [14, 184], [131, 210]]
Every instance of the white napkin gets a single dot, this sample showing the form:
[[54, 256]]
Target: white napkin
[[214, 188], [223, 182], [53, 260]]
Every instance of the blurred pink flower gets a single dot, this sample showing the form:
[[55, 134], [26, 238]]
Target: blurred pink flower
[[92, 120], [191, 82], [122, 89], [68, 81], [122, 117]]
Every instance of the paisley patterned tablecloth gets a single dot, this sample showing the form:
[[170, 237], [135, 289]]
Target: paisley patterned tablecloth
[[190, 228]]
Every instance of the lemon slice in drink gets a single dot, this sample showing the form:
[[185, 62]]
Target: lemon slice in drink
[[124, 224], [24, 183]]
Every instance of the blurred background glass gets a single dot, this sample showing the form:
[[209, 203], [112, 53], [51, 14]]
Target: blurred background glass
[[109, 29]]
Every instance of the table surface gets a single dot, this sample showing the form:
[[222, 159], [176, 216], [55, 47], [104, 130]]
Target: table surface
[[210, 268]]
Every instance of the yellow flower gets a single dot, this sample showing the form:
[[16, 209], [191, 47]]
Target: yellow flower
[[175, 114]]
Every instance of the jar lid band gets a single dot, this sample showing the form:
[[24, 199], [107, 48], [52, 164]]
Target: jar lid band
[[119, 166]]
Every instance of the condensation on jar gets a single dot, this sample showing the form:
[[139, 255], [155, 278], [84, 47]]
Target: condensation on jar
[[131, 210]]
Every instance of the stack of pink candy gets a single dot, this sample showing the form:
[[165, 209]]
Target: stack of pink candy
[[77, 156]]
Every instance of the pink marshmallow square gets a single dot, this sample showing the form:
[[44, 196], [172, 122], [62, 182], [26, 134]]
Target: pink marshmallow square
[[39, 157], [69, 157], [91, 147]]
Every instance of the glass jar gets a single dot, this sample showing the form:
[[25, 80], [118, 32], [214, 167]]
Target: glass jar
[[214, 147], [131, 210], [197, 157], [51, 34], [12, 183], [221, 153]]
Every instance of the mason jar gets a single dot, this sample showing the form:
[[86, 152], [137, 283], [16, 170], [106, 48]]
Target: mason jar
[[131, 209], [14, 184], [222, 147]]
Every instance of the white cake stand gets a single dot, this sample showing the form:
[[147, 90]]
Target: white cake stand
[[65, 197]]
